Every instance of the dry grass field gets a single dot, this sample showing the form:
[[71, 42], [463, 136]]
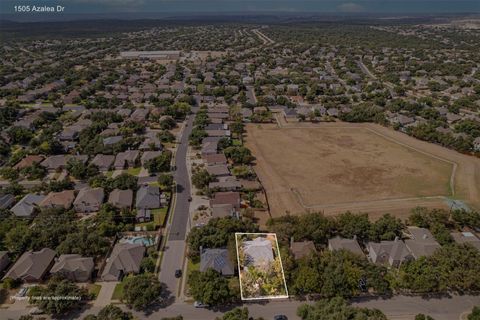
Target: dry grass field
[[358, 167]]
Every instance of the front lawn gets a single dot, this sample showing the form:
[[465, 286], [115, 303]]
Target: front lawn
[[191, 266], [94, 289], [159, 216], [133, 171], [118, 291]]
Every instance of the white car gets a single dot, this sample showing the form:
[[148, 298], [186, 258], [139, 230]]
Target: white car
[[198, 304], [35, 311], [22, 292]]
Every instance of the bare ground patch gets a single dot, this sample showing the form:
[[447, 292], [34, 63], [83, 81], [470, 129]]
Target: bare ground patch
[[339, 166]]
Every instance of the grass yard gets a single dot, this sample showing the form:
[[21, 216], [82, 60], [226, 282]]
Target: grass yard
[[191, 266], [133, 171], [159, 216], [118, 291], [94, 289]]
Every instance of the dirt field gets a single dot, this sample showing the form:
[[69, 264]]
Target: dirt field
[[334, 167]]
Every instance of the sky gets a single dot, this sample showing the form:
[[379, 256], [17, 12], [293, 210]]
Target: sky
[[253, 6]]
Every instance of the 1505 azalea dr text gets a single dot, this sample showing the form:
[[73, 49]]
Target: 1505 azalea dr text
[[29, 8]]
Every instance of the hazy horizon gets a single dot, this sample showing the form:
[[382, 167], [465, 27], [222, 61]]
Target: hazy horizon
[[260, 6]]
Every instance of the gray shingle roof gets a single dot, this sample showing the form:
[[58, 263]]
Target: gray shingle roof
[[148, 197], [74, 267], [217, 259], [26, 206], [32, 265], [124, 259]]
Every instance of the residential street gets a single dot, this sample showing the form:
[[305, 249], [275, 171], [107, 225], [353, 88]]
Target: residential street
[[173, 256], [396, 308]]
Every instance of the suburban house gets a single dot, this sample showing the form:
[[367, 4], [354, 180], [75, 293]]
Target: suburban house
[[28, 161], [392, 252], [227, 183], [62, 199], [224, 210], [89, 200], [215, 159], [4, 260], [302, 249], [217, 259], [148, 197], [339, 243], [126, 159], [124, 259], [6, 200], [222, 198], [25, 208], [57, 162], [149, 155], [421, 242], [209, 147], [466, 237], [74, 267], [121, 198], [258, 252], [32, 265], [103, 162], [220, 170]]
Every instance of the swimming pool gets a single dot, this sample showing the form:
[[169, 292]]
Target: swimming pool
[[145, 240]]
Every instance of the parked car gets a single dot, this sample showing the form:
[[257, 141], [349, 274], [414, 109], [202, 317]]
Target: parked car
[[22, 292], [198, 304], [178, 273], [35, 310], [280, 317]]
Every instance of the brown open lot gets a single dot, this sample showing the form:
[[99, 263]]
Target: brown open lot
[[334, 167]]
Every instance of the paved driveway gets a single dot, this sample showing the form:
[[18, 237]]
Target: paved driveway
[[105, 295]]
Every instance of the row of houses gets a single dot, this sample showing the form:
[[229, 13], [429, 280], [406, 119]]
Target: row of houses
[[36, 266], [226, 198], [89, 200], [419, 242]]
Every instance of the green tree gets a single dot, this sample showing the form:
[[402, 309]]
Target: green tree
[[421, 316], [167, 123], [87, 242], [79, 170], [20, 135], [351, 225], [57, 287], [160, 163], [9, 173], [337, 308], [217, 233], [111, 312], [386, 228], [236, 314], [475, 315], [196, 136], [239, 154], [141, 291], [209, 287], [165, 179], [201, 178]]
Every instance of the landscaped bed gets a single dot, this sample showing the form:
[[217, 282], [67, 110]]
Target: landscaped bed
[[260, 266]]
